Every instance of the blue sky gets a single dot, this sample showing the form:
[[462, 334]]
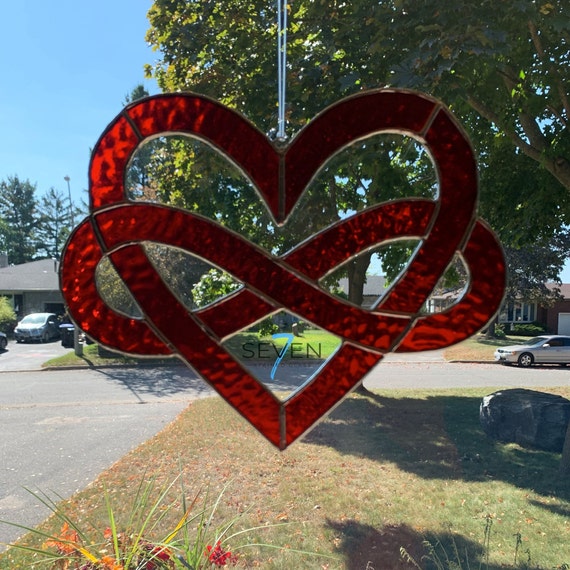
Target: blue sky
[[66, 68]]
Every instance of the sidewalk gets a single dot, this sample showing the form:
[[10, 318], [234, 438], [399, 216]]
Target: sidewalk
[[425, 356]]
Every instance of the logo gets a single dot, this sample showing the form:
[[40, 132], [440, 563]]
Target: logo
[[268, 350]]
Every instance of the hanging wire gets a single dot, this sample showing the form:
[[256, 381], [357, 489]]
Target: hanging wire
[[281, 66]]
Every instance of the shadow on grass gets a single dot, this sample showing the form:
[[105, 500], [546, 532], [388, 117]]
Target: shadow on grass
[[437, 437], [367, 548]]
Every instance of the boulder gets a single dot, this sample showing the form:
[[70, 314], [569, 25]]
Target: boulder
[[529, 418]]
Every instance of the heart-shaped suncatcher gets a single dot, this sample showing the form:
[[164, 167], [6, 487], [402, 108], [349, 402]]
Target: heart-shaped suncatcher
[[116, 227]]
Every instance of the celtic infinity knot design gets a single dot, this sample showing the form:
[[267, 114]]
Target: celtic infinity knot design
[[117, 227]]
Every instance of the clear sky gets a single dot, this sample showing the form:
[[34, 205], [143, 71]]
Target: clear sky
[[66, 67]]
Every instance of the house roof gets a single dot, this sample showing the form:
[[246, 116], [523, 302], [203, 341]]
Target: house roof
[[564, 289], [42, 275]]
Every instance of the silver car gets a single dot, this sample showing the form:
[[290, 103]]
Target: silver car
[[547, 349], [41, 327]]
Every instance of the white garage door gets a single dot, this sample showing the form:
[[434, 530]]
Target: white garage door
[[564, 323]]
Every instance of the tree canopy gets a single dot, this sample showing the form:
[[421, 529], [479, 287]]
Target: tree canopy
[[504, 72], [32, 228], [18, 214]]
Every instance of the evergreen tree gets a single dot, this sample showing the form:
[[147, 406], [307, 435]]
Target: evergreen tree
[[18, 216], [55, 215]]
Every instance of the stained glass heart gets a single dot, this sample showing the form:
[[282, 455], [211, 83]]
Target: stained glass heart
[[447, 226]]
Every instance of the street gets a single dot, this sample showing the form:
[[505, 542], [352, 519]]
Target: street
[[62, 428]]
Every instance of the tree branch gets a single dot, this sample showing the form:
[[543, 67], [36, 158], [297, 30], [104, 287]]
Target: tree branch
[[552, 69], [491, 116]]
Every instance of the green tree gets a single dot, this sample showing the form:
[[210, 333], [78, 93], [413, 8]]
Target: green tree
[[18, 213], [137, 178], [462, 52], [55, 215], [8, 317], [202, 48], [507, 65]]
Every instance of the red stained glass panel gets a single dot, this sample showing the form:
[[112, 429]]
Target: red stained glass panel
[[445, 227]]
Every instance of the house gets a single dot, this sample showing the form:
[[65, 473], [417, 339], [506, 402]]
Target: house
[[32, 287], [374, 288], [555, 319]]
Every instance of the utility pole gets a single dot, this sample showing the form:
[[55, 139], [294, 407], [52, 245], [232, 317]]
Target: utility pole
[[71, 216]]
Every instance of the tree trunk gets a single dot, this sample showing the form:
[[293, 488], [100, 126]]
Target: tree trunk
[[356, 279], [491, 327]]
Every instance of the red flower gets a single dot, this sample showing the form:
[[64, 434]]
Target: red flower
[[218, 556], [158, 553]]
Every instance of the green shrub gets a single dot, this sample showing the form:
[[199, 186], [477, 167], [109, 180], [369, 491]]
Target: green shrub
[[8, 318], [500, 331], [527, 329], [267, 327]]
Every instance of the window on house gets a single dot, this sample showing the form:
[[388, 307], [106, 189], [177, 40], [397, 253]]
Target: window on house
[[518, 313]]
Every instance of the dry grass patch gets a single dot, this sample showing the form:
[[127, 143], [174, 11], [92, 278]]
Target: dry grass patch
[[480, 348], [382, 472]]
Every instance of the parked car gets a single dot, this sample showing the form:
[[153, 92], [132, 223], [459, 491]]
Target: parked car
[[3, 341], [546, 349], [41, 327]]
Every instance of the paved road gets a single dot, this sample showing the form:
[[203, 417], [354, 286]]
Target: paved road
[[60, 429]]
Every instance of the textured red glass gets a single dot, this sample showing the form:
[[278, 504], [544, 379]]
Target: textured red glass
[[445, 227]]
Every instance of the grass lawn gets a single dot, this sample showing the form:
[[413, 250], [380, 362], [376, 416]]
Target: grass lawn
[[385, 470], [312, 344], [479, 347]]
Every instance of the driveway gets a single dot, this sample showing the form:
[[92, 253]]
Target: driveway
[[29, 356]]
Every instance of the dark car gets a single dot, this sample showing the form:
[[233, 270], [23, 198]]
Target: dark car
[[3, 341], [41, 327]]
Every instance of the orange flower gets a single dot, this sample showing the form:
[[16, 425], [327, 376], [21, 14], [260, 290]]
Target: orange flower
[[109, 563]]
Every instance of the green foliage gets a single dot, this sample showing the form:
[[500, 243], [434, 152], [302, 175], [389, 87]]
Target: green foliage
[[7, 316], [55, 216], [113, 290], [499, 331], [266, 327], [446, 553], [524, 329], [213, 285], [226, 51], [31, 228], [503, 72], [18, 213], [196, 539]]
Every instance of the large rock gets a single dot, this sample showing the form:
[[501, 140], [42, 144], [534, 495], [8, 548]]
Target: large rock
[[529, 418]]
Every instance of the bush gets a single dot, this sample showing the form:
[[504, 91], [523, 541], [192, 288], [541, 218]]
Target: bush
[[527, 329], [500, 331], [8, 318], [267, 327]]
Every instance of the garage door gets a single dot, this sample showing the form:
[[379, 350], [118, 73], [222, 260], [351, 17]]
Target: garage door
[[564, 323]]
